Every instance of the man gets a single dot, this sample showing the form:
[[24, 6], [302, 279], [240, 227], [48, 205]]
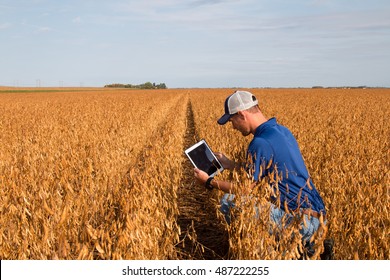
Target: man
[[275, 155]]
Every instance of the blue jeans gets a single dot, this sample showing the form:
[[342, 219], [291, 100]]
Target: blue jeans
[[278, 216], [226, 204]]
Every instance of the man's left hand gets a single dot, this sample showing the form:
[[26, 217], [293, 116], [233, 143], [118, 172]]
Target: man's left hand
[[200, 176]]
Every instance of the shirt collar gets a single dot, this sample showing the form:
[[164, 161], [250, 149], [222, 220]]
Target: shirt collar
[[265, 125]]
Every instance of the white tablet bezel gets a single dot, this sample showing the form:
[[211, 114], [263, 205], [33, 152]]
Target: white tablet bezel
[[195, 146]]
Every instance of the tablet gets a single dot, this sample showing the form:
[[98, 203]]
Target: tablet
[[203, 158]]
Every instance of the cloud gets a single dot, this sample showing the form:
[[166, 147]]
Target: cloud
[[76, 19], [5, 26], [200, 3], [180, 12], [44, 29]]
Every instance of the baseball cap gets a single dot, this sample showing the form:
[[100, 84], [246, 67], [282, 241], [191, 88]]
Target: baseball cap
[[238, 101]]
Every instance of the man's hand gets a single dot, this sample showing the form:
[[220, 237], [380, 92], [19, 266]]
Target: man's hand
[[200, 176], [226, 162]]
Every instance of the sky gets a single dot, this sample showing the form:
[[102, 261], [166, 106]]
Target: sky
[[195, 43]]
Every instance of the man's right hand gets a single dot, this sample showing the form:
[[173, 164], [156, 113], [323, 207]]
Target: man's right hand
[[225, 161]]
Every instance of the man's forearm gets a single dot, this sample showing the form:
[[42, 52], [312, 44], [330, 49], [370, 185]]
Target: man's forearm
[[238, 166], [224, 186]]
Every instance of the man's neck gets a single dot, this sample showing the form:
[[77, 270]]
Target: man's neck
[[258, 119]]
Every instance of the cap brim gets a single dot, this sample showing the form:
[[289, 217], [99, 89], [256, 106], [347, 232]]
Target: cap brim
[[224, 119]]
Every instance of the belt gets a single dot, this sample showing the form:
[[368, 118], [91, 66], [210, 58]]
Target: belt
[[312, 213]]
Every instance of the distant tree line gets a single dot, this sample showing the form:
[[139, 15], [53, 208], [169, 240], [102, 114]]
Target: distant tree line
[[147, 85]]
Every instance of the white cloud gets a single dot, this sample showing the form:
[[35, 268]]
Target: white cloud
[[44, 29], [5, 26], [76, 19], [181, 12]]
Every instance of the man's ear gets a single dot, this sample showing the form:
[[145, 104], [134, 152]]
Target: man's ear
[[241, 114]]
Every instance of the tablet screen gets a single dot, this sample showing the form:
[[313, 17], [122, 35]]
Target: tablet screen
[[203, 158]]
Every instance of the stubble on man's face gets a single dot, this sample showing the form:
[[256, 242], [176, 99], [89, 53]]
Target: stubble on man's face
[[239, 125]]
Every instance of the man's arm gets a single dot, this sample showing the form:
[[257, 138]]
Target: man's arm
[[201, 177], [228, 163], [225, 186]]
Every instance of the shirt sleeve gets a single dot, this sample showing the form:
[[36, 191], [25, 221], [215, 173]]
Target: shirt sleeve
[[260, 154]]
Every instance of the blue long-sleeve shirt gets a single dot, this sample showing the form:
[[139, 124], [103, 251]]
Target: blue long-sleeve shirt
[[275, 150]]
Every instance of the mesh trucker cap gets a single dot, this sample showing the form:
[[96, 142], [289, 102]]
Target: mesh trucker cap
[[238, 101]]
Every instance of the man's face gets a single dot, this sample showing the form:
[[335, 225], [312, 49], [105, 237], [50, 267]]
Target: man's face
[[239, 123]]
